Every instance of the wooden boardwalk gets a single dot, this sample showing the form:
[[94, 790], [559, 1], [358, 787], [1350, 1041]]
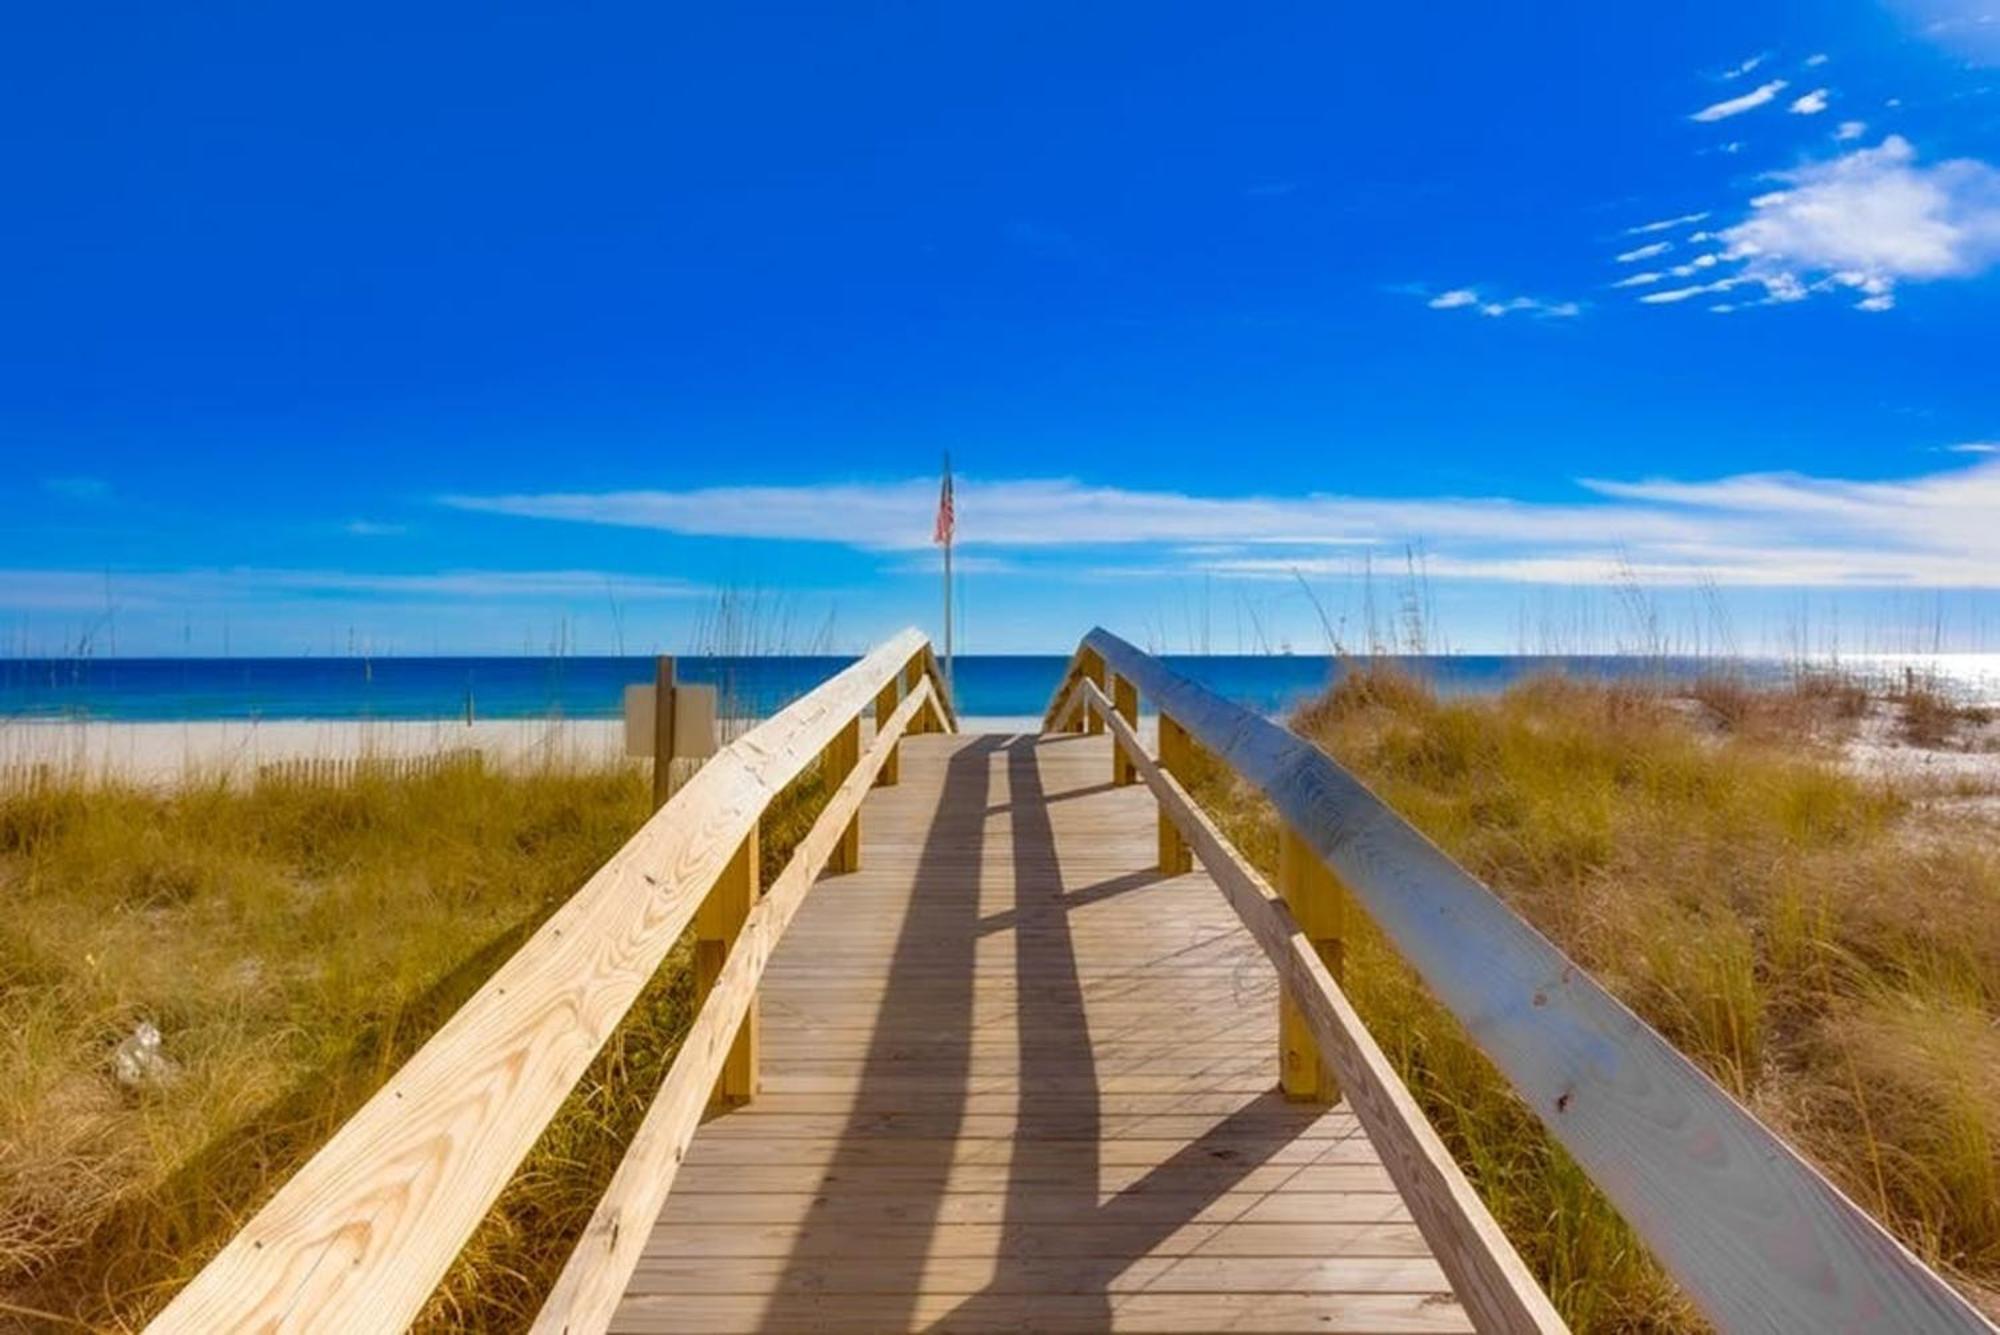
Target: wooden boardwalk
[[1013, 1079]]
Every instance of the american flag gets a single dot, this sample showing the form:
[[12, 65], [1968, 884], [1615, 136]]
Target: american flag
[[945, 517]]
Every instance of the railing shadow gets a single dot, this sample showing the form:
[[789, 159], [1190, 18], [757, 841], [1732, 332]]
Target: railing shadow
[[930, 981], [1060, 1104]]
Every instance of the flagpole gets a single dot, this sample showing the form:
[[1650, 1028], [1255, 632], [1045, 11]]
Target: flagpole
[[949, 534]]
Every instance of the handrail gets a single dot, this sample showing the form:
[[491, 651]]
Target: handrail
[[1755, 1235], [1493, 1284], [586, 1294], [359, 1237]]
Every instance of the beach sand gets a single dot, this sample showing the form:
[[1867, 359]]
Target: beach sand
[[172, 753]]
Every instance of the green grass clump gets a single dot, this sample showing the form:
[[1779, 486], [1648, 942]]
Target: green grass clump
[[1773, 916], [294, 943]]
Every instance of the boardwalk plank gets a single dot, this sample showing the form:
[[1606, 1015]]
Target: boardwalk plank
[[1015, 1080]]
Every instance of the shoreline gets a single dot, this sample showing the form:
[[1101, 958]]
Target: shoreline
[[165, 753]]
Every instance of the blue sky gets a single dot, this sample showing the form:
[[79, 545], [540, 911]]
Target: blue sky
[[481, 329]]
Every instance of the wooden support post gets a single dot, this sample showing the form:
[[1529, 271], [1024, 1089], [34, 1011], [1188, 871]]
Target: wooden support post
[[1318, 904], [842, 755], [717, 924], [663, 730], [1091, 663], [1175, 752], [1125, 699], [886, 701], [913, 674]]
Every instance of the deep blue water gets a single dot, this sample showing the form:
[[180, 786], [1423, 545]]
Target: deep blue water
[[185, 689]]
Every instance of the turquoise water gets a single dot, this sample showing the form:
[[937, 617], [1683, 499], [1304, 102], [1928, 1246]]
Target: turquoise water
[[194, 689]]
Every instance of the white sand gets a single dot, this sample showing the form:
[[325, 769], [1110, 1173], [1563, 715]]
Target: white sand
[[156, 753], [169, 753]]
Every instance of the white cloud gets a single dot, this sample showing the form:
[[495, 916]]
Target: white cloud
[[1736, 106], [1639, 279], [1463, 298], [1696, 265], [1645, 252], [1811, 104], [1850, 130], [1762, 529], [1815, 60], [1683, 293], [1740, 70], [1666, 224], [373, 528], [85, 591], [1867, 221], [1974, 447]]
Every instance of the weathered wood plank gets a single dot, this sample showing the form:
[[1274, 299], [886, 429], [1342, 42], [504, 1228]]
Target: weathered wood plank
[[1010, 1074], [1486, 1272], [587, 1292], [1754, 1234], [358, 1238]]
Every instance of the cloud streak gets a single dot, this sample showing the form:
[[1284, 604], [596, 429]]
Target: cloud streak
[[1736, 106], [1758, 529]]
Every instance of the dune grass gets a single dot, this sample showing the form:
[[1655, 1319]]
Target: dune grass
[[1829, 959], [293, 942]]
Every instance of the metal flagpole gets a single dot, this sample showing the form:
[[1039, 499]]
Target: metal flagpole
[[950, 532]]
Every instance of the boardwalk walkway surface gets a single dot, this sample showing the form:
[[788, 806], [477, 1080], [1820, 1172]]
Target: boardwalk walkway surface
[[1012, 1079]]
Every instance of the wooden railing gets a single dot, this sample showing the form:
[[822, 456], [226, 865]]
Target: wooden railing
[[359, 1237], [1755, 1236]]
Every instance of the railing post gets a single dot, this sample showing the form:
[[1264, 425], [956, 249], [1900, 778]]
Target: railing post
[[1175, 751], [842, 755], [1125, 699], [717, 924], [1317, 901], [886, 701], [663, 730], [1091, 664], [913, 673]]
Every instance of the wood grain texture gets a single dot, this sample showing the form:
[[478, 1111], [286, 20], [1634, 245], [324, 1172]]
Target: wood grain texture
[[1016, 1080], [1175, 754], [1125, 698], [1314, 898], [359, 1237], [1488, 1275], [594, 1278], [1756, 1236], [717, 924]]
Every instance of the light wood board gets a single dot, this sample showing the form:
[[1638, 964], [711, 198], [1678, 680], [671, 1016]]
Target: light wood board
[[1013, 1079]]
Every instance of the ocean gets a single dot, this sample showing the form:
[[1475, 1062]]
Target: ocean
[[422, 688]]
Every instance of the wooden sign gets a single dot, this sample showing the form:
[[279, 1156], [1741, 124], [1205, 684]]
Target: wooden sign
[[694, 721]]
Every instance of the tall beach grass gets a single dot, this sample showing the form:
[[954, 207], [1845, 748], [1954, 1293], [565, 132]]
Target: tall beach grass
[[293, 942], [1827, 954]]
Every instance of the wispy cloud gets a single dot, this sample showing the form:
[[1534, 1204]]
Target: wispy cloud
[[1738, 71], [1815, 60], [1736, 106], [1758, 529], [1639, 279], [1465, 298], [1644, 252], [1850, 130], [1666, 224], [373, 528], [1811, 104], [1974, 447], [1683, 293], [89, 590]]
